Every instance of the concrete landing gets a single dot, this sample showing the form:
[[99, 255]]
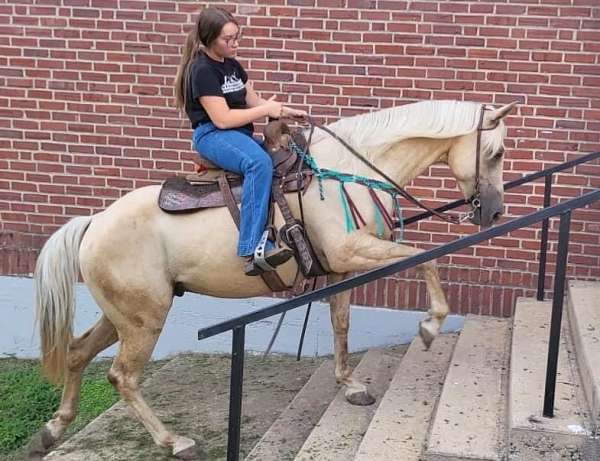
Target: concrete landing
[[584, 317], [340, 431], [469, 422], [528, 427], [399, 428]]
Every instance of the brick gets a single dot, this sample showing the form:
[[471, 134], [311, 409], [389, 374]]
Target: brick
[[64, 119]]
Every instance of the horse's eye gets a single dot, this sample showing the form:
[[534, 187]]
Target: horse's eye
[[498, 155]]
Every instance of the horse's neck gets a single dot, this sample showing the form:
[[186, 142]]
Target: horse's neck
[[410, 158], [402, 162]]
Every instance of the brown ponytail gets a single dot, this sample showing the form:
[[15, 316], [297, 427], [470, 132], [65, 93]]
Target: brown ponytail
[[206, 30]]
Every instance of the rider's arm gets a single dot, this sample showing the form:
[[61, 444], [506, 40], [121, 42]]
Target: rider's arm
[[225, 118], [253, 99]]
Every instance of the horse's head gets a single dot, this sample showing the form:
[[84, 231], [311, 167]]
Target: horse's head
[[481, 179]]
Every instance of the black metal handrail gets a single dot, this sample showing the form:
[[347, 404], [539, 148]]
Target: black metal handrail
[[238, 324]]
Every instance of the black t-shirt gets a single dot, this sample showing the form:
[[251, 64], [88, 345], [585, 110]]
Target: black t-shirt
[[214, 78]]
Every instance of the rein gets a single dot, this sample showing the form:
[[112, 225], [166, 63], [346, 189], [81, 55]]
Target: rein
[[474, 201]]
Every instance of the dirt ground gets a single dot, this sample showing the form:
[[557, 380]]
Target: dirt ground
[[191, 396]]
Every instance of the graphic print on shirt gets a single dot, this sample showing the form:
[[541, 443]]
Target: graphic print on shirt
[[232, 84]]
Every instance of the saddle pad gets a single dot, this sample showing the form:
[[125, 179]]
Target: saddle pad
[[178, 195]]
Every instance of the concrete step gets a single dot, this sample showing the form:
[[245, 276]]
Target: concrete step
[[531, 434], [584, 316], [470, 416], [285, 437], [399, 428], [341, 428]]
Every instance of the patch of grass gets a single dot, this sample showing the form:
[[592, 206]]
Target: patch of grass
[[28, 400], [97, 396]]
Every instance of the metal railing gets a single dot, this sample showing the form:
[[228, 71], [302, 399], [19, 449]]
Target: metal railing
[[237, 325]]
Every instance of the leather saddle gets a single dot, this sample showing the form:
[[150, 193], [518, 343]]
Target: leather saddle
[[192, 192]]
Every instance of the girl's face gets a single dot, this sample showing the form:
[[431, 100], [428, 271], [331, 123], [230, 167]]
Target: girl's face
[[227, 42]]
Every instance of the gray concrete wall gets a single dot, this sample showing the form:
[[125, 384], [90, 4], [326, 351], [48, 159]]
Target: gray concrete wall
[[370, 327]]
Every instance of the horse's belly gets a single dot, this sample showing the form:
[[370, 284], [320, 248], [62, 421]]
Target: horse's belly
[[226, 279]]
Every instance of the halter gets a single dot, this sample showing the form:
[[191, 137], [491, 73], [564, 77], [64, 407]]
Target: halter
[[474, 200]]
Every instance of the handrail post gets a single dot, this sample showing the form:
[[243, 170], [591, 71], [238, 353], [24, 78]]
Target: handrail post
[[544, 243], [557, 310], [301, 343], [235, 393]]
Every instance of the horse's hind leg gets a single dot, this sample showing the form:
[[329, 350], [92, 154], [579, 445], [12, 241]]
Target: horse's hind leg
[[135, 350], [139, 324], [356, 392], [81, 351]]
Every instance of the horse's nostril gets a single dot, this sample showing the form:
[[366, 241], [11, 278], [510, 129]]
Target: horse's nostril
[[496, 216]]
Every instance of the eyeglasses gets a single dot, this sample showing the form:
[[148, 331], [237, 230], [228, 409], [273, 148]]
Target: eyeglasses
[[231, 39]]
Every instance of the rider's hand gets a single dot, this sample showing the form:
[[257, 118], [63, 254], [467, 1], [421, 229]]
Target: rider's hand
[[290, 112], [274, 108]]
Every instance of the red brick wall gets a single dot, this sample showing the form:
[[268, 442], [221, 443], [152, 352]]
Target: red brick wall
[[86, 110]]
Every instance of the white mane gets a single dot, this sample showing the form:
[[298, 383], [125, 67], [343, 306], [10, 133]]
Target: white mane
[[375, 132]]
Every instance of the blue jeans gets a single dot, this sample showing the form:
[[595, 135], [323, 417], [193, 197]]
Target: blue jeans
[[237, 151]]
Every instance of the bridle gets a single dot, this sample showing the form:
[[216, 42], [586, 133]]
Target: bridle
[[474, 200]]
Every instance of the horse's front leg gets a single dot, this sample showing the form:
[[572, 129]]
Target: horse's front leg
[[362, 251], [356, 392]]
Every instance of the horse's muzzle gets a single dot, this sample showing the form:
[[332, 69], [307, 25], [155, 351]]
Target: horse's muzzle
[[490, 209]]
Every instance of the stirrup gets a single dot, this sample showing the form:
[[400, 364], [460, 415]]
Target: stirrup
[[259, 253], [269, 259]]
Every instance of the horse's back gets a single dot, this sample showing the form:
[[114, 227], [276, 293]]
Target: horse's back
[[135, 240]]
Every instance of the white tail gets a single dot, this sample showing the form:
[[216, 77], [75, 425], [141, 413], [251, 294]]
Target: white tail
[[56, 272]]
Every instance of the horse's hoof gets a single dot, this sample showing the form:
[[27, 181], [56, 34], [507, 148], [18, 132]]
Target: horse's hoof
[[426, 334], [188, 450], [40, 444], [362, 397]]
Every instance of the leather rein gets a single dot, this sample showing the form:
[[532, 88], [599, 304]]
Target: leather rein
[[474, 200]]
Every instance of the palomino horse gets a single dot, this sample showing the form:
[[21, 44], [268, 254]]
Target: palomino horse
[[132, 254]]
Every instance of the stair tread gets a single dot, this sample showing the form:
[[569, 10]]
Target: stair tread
[[287, 434], [469, 422], [342, 426], [531, 329], [584, 316], [190, 394], [399, 427]]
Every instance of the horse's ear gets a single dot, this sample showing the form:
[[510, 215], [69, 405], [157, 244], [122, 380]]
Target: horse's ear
[[498, 114]]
